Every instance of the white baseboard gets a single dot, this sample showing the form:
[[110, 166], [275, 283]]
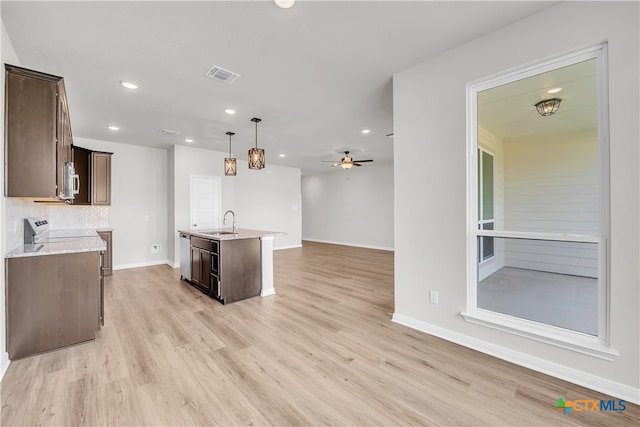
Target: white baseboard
[[357, 245], [585, 379], [142, 264], [4, 364], [268, 292], [173, 264], [287, 247]]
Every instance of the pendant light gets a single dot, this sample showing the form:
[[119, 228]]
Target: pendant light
[[230, 162], [256, 155], [548, 107]]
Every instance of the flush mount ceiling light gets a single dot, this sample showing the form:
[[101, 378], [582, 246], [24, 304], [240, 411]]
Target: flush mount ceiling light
[[554, 90], [129, 85], [548, 107], [256, 155], [284, 4], [230, 162]]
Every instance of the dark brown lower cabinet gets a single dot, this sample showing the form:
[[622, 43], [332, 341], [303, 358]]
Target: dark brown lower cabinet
[[52, 301], [228, 270], [200, 267]]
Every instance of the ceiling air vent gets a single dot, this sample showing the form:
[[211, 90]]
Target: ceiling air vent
[[220, 74], [169, 132]]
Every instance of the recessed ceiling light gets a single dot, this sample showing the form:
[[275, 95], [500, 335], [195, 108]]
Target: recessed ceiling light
[[129, 85], [282, 155], [554, 90], [112, 127], [229, 111], [284, 4], [188, 140], [365, 131]]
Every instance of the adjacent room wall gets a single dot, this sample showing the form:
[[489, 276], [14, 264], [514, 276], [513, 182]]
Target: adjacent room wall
[[138, 211], [553, 186], [268, 199], [430, 214], [350, 207]]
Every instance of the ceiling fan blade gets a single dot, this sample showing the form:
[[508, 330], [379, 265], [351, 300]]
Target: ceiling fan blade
[[328, 161], [335, 164], [356, 164], [363, 161]]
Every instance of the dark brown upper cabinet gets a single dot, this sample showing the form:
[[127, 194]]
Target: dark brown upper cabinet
[[94, 175], [37, 136]]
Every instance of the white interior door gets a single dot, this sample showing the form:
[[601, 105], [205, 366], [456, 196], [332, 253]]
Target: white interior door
[[204, 211]]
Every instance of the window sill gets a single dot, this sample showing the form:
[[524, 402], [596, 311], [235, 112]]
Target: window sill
[[575, 341]]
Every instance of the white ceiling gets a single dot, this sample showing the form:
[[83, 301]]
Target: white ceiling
[[316, 74]]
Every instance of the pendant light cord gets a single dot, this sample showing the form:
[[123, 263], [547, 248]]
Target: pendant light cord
[[230, 135]]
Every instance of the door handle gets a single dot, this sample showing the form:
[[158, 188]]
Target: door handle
[[76, 180]]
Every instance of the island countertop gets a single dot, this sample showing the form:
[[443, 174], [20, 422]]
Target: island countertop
[[228, 234]]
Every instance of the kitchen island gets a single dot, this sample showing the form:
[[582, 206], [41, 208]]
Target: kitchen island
[[228, 264]]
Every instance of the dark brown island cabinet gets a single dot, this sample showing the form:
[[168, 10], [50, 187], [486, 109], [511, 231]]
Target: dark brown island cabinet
[[227, 270], [52, 301], [107, 259], [38, 136], [94, 176]]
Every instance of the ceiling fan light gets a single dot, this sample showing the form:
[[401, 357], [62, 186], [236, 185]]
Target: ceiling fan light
[[548, 107], [346, 165]]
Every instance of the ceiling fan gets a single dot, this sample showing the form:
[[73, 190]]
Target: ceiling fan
[[347, 162]]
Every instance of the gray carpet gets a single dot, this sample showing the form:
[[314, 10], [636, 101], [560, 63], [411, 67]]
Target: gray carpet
[[569, 302]]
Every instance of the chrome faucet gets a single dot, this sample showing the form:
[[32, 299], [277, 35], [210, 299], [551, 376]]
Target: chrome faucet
[[224, 220]]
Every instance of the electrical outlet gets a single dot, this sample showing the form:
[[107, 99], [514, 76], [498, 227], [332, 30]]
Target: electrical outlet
[[433, 297], [155, 248]]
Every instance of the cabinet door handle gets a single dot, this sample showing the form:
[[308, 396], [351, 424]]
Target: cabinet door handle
[[76, 180]]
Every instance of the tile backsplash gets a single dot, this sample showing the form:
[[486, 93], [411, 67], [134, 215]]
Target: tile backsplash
[[77, 217], [60, 218]]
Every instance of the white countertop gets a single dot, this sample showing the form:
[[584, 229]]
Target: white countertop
[[241, 233], [56, 242]]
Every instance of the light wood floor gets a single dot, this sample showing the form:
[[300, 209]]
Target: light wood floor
[[322, 351]]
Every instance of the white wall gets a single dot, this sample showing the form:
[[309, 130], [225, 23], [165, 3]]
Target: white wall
[[12, 210], [430, 214], [268, 199], [350, 207], [8, 54], [553, 186], [138, 190]]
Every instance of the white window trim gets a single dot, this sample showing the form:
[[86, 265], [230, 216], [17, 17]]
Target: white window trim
[[596, 346]]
